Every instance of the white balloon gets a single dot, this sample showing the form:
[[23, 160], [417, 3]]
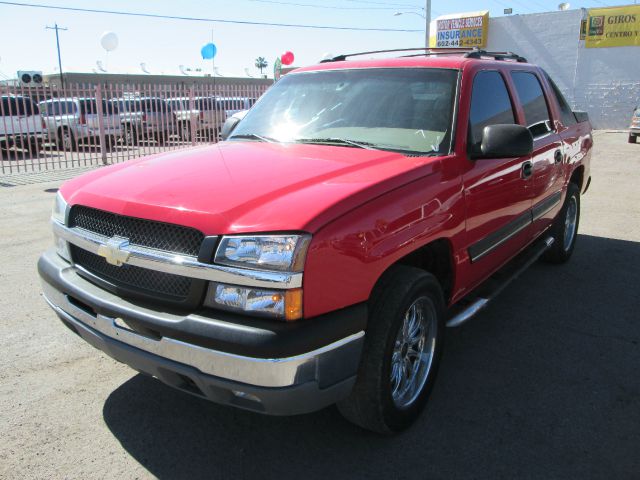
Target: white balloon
[[109, 41]]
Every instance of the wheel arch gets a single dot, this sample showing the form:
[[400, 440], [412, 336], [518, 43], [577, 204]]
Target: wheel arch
[[436, 257]]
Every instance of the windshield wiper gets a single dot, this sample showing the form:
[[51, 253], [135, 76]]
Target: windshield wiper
[[338, 141], [254, 136]]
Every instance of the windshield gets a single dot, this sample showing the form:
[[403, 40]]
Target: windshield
[[401, 109]]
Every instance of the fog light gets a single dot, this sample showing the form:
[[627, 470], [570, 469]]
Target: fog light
[[281, 304], [62, 247]]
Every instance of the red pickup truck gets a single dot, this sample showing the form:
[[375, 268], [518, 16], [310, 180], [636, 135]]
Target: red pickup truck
[[317, 255]]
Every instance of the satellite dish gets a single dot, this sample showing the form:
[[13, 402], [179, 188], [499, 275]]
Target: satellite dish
[[143, 67], [109, 41], [183, 70], [247, 73], [101, 66], [327, 56], [564, 6]]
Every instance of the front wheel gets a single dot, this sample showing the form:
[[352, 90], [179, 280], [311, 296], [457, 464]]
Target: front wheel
[[401, 352], [565, 228], [633, 138]]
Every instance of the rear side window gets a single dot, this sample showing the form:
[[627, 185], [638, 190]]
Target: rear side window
[[568, 118], [536, 112], [88, 106], [18, 106], [490, 105]]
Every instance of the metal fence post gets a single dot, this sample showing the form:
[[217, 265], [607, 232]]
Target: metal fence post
[[192, 121], [103, 140]]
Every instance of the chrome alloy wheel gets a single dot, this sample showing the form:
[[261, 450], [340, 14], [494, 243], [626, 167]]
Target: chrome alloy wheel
[[570, 221], [413, 352]]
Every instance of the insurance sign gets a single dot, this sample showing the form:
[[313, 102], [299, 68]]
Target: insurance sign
[[462, 30], [613, 27]]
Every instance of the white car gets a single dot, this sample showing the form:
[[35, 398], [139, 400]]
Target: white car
[[20, 124], [74, 121]]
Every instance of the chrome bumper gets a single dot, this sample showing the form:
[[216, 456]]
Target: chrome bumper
[[336, 360]]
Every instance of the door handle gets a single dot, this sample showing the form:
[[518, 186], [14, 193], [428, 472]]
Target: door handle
[[527, 169], [557, 156]]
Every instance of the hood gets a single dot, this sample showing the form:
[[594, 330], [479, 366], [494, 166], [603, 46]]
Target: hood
[[241, 187]]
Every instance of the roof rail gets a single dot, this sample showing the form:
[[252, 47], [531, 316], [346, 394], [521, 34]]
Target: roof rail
[[427, 51], [477, 53]]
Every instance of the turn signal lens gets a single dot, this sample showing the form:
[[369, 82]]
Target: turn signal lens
[[280, 304]]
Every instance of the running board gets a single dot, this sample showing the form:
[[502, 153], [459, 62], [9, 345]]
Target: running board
[[478, 300]]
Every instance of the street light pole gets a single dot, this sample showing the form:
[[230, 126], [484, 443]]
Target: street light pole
[[427, 29], [56, 28]]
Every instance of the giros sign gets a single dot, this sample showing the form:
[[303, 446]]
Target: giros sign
[[613, 27], [462, 30]]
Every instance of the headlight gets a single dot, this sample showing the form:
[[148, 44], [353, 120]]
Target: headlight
[[59, 214], [60, 206], [273, 252], [281, 304]]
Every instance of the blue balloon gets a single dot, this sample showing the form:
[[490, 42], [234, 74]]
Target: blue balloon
[[208, 51]]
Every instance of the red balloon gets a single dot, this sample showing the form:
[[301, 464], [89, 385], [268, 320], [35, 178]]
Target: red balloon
[[287, 58]]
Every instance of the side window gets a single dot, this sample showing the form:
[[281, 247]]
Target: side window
[[490, 105], [536, 112], [568, 118]]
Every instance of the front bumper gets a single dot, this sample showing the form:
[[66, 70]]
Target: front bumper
[[287, 384]]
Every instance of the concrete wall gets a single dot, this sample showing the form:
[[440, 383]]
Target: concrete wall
[[603, 81]]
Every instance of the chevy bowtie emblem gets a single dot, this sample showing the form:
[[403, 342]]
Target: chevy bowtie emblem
[[113, 252]]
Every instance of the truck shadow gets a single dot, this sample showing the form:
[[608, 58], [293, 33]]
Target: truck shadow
[[543, 384]]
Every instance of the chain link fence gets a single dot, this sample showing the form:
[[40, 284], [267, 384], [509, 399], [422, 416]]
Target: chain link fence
[[45, 128]]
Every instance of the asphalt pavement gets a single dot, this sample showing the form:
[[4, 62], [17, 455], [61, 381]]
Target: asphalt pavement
[[544, 384]]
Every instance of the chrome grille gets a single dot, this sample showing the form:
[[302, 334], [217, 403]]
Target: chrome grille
[[151, 282], [129, 279], [148, 233]]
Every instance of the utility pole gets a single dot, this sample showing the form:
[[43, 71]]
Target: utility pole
[[56, 28], [427, 30]]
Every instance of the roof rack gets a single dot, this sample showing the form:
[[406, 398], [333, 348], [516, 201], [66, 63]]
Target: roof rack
[[427, 51], [467, 52], [477, 53]]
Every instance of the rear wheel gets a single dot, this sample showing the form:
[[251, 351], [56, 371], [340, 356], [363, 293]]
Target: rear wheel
[[633, 138], [401, 353], [130, 136], [66, 140], [565, 228], [185, 131]]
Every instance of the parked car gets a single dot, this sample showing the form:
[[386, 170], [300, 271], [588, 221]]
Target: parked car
[[207, 116], [75, 121], [634, 128], [233, 105], [145, 118], [316, 256], [20, 124]]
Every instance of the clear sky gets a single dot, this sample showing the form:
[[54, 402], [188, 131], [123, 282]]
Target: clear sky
[[164, 44]]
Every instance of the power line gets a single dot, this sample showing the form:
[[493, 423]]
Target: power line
[[404, 5], [329, 7], [199, 19]]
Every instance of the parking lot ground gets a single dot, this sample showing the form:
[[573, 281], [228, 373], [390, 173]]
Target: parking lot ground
[[543, 384]]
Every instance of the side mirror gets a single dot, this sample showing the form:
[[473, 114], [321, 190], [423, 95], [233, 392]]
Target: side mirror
[[505, 141], [229, 124], [581, 116]]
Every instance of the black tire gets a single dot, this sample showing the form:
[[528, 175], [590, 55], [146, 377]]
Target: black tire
[[160, 138], [185, 131], [130, 136], [633, 138], [561, 251], [72, 144], [371, 404]]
